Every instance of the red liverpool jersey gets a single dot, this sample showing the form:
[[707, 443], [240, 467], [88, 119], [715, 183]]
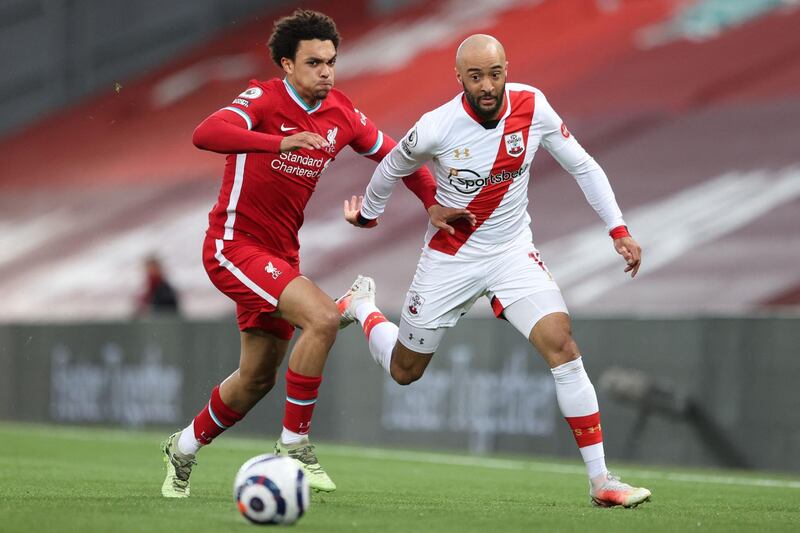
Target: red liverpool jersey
[[263, 195]]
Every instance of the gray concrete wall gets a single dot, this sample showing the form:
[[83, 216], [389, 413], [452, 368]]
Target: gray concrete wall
[[55, 52], [721, 391], [58, 51]]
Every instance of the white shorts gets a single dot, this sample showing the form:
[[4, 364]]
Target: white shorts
[[445, 287]]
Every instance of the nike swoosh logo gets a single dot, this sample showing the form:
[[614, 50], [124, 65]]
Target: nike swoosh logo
[[284, 128]]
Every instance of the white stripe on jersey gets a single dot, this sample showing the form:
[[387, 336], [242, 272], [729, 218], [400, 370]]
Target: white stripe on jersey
[[236, 190], [253, 286], [242, 114], [376, 146]]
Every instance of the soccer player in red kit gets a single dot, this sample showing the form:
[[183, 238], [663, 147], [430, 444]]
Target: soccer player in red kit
[[280, 135]]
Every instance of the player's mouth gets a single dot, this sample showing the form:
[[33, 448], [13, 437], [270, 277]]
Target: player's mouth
[[488, 100]]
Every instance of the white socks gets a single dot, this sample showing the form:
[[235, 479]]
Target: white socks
[[381, 334], [578, 402], [187, 444], [290, 437]]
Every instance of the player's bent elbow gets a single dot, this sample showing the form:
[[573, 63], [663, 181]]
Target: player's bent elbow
[[201, 137]]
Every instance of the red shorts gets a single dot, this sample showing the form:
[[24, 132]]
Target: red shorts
[[254, 278]]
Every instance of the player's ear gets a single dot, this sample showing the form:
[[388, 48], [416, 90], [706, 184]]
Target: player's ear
[[287, 64], [458, 75]]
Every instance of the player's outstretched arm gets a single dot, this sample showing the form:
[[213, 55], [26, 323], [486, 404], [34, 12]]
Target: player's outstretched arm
[[628, 248], [352, 213], [225, 132], [420, 182]]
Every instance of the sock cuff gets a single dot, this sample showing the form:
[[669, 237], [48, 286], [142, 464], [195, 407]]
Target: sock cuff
[[564, 373], [372, 320], [301, 387], [221, 412], [587, 429]]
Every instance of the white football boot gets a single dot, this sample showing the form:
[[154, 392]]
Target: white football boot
[[362, 290], [611, 491]]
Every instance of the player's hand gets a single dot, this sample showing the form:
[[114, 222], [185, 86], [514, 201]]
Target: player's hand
[[304, 139], [630, 252], [352, 208], [440, 216]]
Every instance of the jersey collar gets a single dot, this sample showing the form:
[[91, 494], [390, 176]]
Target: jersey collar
[[299, 101], [504, 111]]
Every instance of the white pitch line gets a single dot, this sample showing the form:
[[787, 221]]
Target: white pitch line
[[430, 458], [510, 464]]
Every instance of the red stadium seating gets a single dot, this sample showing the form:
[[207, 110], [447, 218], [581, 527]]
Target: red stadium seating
[[697, 137]]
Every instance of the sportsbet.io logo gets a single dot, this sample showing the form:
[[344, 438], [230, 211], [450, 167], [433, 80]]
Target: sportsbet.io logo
[[468, 181]]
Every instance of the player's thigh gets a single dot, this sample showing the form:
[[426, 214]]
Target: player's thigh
[[418, 341], [304, 304], [525, 313], [543, 318], [250, 275], [443, 289], [518, 273], [261, 355], [552, 337]]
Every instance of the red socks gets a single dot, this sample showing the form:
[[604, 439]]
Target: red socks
[[301, 396], [215, 418]]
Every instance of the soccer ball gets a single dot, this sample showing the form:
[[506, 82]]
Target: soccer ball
[[271, 489]]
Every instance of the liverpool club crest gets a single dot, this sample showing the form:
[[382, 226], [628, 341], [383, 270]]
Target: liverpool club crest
[[514, 144]]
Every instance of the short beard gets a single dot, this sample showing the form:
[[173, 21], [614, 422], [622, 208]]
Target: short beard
[[476, 108]]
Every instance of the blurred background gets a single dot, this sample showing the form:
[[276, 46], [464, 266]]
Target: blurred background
[[691, 106]]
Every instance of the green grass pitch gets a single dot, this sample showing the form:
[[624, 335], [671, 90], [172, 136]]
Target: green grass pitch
[[73, 479]]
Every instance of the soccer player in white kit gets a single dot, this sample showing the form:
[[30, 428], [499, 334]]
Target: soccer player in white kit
[[481, 144]]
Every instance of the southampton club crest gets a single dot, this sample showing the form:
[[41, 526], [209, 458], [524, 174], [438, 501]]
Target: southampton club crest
[[514, 144], [415, 301]]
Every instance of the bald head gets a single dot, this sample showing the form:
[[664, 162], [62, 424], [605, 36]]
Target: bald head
[[481, 68], [479, 49]]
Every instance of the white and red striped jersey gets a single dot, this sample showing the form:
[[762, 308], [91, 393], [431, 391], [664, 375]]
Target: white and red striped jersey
[[485, 167]]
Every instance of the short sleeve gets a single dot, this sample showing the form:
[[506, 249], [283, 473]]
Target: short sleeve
[[367, 138], [250, 104]]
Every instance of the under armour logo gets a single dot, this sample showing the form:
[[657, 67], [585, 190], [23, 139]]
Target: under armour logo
[[421, 340], [461, 153]]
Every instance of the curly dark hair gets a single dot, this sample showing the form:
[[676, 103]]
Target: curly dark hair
[[302, 25]]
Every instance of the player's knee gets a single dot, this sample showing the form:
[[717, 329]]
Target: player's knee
[[325, 321], [405, 377], [258, 385], [564, 350], [405, 374]]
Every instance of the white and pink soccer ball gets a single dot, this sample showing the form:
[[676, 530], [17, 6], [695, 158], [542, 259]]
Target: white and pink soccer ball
[[271, 489]]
